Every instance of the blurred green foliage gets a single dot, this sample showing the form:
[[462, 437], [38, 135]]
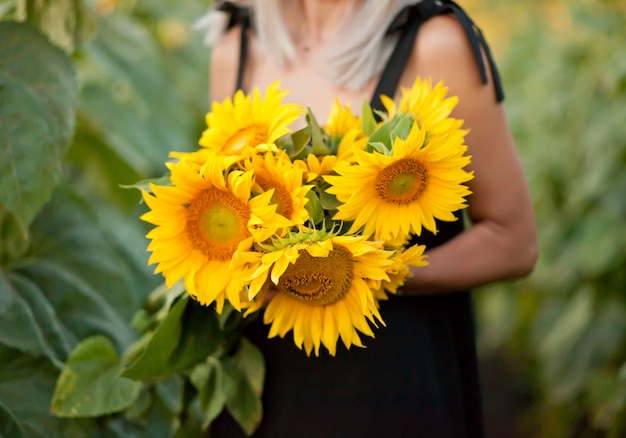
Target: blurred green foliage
[[117, 86], [73, 266], [565, 326]]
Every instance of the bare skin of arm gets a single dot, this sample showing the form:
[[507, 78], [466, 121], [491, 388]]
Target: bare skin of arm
[[502, 242]]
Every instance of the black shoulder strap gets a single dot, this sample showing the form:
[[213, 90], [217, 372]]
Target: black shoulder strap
[[239, 16], [408, 21]]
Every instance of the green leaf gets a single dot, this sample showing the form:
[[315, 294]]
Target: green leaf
[[367, 118], [67, 23], [91, 286], [379, 147], [26, 386], [247, 370], [28, 322], [38, 101], [13, 243], [90, 385], [328, 201], [317, 136], [381, 136], [144, 184], [9, 425], [187, 336], [208, 379], [128, 93], [401, 128], [314, 207], [299, 141]]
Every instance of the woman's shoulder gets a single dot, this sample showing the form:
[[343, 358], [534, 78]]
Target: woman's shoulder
[[443, 50], [224, 64], [442, 39]]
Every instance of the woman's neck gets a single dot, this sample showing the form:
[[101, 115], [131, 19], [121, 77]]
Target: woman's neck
[[315, 20]]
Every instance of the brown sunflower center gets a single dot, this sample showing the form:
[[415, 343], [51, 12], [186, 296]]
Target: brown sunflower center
[[402, 182], [319, 280], [249, 136], [281, 198], [216, 223]]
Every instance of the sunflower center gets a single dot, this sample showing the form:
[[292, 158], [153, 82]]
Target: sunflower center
[[216, 223], [249, 136], [402, 182], [284, 204], [319, 280]]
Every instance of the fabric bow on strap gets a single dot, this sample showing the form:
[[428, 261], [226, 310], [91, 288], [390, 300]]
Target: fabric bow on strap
[[411, 17]]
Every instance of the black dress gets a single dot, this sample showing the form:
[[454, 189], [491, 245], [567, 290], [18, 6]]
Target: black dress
[[419, 376]]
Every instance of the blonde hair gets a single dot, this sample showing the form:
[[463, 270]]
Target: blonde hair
[[362, 54]]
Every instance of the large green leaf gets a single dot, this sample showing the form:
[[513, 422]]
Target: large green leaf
[[186, 337], [38, 101], [90, 385], [73, 281], [76, 280], [102, 249], [26, 385], [128, 98], [27, 320]]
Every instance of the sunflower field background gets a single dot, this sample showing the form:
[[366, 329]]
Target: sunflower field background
[[95, 93]]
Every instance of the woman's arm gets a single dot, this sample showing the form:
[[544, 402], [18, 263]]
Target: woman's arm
[[223, 66], [502, 242]]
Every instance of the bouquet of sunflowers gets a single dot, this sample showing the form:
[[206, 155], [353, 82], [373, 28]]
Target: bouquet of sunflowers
[[319, 218]]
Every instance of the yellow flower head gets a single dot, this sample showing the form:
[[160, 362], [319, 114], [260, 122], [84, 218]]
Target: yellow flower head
[[341, 120], [400, 270], [428, 106], [323, 287], [390, 196], [277, 172], [201, 220], [318, 166], [248, 124]]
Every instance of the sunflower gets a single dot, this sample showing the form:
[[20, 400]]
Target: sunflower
[[325, 164], [341, 120], [390, 196], [248, 124], [323, 287], [201, 220], [400, 270], [428, 106], [276, 171]]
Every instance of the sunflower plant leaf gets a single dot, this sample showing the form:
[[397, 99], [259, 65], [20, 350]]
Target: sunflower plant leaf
[[67, 23], [26, 386], [367, 118], [328, 201], [383, 136], [382, 115], [402, 127], [144, 184], [90, 385], [187, 336], [208, 379], [318, 145], [314, 207], [246, 370], [300, 139], [378, 147], [38, 102]]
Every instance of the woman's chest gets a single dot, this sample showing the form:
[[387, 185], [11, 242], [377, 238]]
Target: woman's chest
[[308, 86]]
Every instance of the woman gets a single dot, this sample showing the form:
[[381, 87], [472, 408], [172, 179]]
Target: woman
[[419, 377]]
